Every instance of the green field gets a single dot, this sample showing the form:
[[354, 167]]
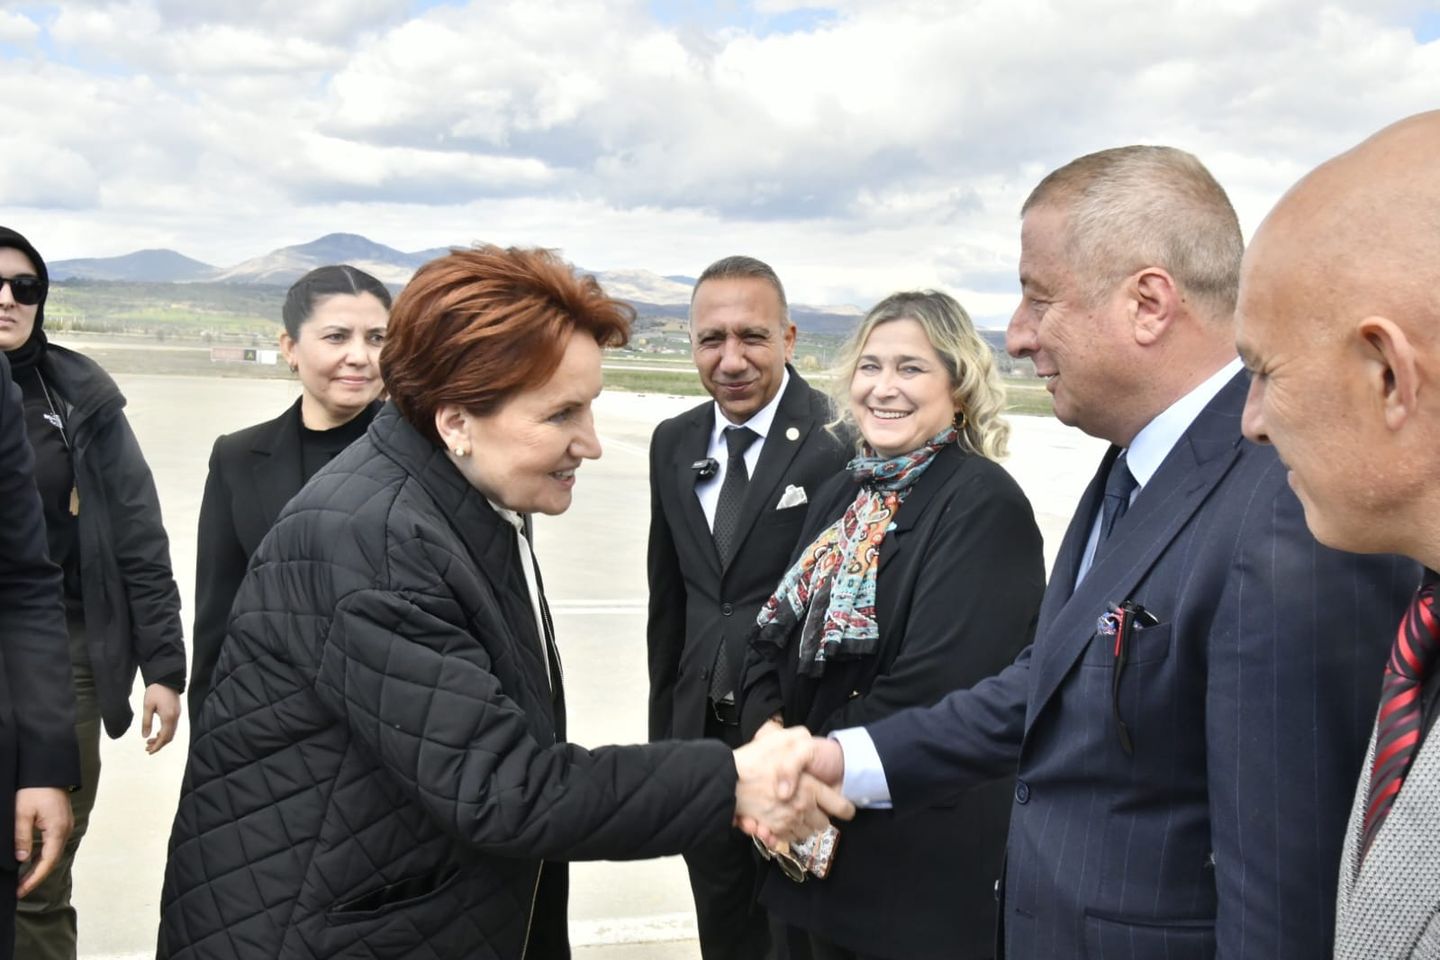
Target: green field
[[127, 356]]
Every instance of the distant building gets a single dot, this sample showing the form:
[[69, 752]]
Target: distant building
[[244, 355]]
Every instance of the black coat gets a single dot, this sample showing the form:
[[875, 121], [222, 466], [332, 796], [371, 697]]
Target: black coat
[[695, 606], [957, 595], [379, 769], [253, 473], [37, 701], [131, 603]]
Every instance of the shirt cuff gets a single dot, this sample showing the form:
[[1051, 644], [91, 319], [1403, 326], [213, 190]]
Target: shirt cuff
[[864, 784]]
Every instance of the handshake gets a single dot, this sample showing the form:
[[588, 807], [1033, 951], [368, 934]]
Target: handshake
[[788, 786]]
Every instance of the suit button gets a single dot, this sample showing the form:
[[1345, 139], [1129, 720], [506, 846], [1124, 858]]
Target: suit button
[[1022, 791], [705, 673], [726, 609]]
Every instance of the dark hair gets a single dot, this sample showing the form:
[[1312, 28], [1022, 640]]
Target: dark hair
[[477, 326], [324, 282], [744, 268]]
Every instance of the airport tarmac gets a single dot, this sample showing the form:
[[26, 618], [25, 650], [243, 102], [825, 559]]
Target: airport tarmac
[[593, 558]]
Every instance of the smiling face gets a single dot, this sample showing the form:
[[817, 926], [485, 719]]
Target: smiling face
[[1079, 342], [901, 393], [524, 455], [337, 356], [17, 320], [741, 342]]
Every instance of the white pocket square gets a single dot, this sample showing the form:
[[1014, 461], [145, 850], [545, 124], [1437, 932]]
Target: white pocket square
[[793, 497]]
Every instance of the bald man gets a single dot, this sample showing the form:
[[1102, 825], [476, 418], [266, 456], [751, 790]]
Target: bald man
[[1339, 323]]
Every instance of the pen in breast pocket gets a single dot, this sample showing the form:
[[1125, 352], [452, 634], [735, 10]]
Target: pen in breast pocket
[[1125, 617]]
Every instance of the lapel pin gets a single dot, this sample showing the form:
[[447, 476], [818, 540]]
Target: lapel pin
[[792, 434]]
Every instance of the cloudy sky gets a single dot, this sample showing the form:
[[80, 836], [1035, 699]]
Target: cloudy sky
[[859, 145]]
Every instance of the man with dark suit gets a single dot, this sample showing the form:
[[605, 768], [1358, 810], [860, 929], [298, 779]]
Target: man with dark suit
[[1338, 322], [728, 482], [39, 757], [1185, 729]]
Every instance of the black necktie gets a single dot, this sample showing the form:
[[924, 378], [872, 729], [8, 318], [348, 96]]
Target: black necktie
[[727, 518], [732, 491], [1119, 486]]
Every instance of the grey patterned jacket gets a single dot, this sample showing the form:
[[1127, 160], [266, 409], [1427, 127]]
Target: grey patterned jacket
[[1388, 907]]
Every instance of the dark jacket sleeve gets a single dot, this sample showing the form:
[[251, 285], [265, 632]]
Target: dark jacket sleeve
[[142, 552], [974, 607], [1295, 656], [932, 753], [391, 660], [220, 563], [665, 623], [32, 618]]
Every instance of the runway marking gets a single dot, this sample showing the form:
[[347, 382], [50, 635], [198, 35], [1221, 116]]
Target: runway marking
[[590, 608], [658, 928]]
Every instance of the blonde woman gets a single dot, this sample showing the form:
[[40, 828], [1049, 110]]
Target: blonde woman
[[922, 573]]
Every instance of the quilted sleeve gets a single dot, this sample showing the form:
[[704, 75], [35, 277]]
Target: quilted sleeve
[[417, 690]]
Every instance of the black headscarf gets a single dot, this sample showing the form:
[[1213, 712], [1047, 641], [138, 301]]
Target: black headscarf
[[28, 354]]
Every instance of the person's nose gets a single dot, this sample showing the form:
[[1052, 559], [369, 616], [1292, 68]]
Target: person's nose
[[1252, 421], [587, 442], [7, 296], [1020, 333], [732, 356]]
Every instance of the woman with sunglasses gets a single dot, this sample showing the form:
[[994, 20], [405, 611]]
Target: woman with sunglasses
[[335, 320], [102, 519], [922, 573]]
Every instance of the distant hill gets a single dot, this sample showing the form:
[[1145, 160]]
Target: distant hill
[[156, 266], [651, 294], [288, 264]]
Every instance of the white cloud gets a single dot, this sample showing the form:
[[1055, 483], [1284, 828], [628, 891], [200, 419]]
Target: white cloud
[[890, 145], [17, 28]]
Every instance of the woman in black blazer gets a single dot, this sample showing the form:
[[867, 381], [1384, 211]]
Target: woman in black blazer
[[923, 573], [334, 328]]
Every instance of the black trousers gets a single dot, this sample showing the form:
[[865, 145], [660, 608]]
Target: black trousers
[[8, 881], [723, 877]]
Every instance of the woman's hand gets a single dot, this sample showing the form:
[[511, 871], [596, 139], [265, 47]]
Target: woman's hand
[[163, 703]]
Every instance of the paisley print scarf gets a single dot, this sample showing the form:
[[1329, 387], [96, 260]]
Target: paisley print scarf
[[831, 588]]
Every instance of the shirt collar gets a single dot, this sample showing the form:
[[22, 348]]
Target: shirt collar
[[760, 423], [1153, 443], [509, 516]]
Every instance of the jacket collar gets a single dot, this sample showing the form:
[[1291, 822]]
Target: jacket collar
[[490, 541], [1185, 480]]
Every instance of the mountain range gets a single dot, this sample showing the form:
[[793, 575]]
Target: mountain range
[[650, 293]]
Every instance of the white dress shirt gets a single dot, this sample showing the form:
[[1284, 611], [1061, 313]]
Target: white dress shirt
[[708, 490], [865, 784]]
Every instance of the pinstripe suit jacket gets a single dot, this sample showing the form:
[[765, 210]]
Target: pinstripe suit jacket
[[1389, 905], [1247, 702]]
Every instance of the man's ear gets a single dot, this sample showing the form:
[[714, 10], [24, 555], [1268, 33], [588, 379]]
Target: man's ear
[[452, 424], [1392, 373], [1154, 300]]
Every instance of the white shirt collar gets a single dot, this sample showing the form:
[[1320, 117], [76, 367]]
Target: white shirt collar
[[760, 423], [509, 516], [1155, 441]]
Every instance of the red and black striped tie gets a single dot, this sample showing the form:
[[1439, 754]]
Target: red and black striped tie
[[1399, 728]]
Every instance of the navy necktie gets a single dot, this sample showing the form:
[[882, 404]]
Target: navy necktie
[[1119, 487]]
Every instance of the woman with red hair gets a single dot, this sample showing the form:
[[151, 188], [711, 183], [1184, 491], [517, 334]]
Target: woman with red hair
[[380, 768]]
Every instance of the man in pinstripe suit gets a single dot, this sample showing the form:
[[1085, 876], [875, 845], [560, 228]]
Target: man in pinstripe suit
[[1185, 729], [1344, 386]]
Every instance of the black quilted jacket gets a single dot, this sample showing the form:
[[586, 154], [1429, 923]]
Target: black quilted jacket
[[380, 768]]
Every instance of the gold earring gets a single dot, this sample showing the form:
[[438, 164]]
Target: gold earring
[[960, 420]]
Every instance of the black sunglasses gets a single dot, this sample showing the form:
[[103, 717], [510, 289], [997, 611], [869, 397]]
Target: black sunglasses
[[27, 291]]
